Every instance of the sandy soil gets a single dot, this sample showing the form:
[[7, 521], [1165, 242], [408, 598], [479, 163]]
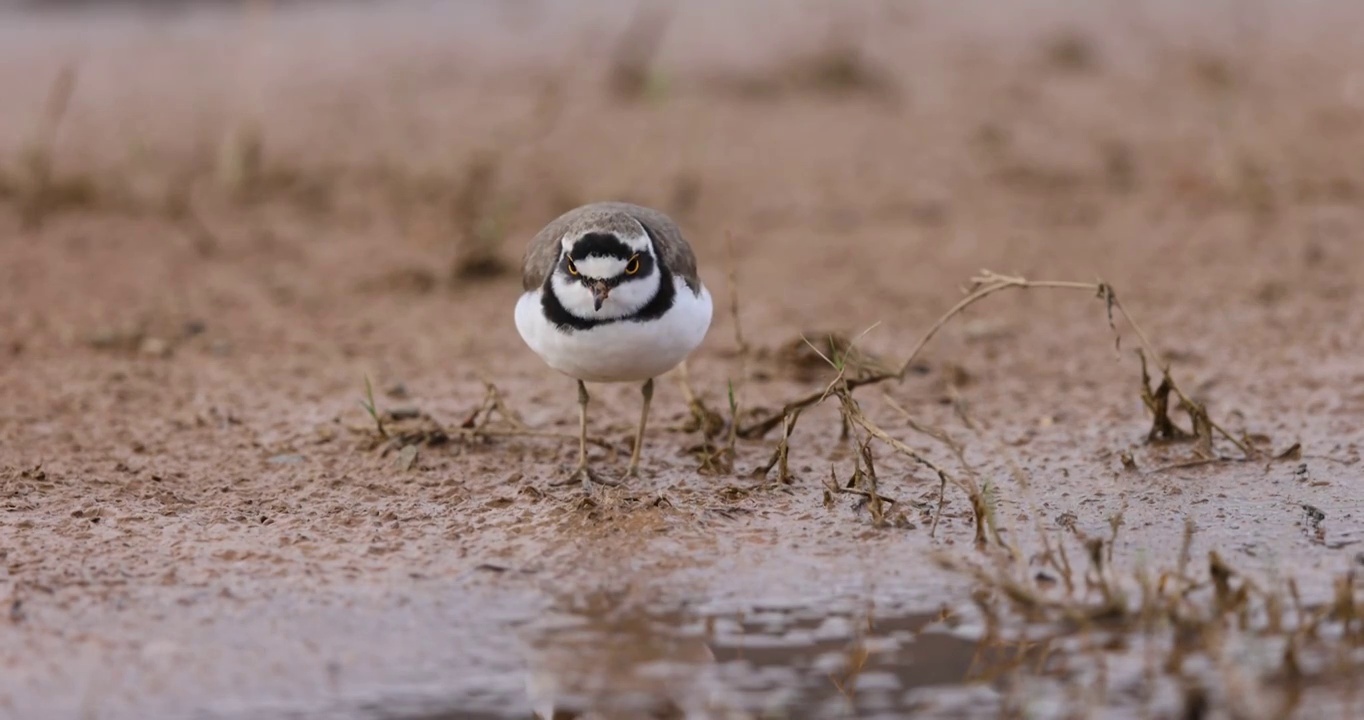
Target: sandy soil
[[196, 520]]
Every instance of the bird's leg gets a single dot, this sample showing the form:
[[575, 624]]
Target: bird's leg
[[582, 426], [582, 473], [648, 392]]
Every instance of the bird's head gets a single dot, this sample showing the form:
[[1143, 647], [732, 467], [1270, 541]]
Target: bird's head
[[604, 274]]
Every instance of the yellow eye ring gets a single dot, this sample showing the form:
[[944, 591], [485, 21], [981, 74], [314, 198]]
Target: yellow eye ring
[[633, 266], [572, 269]]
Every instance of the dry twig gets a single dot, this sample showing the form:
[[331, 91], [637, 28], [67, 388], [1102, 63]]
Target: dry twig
[[984, 285]]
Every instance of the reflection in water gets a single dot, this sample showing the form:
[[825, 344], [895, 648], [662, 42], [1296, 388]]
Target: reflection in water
[[605, 657]]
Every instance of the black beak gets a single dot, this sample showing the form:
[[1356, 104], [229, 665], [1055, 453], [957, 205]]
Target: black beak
[[599, 294]]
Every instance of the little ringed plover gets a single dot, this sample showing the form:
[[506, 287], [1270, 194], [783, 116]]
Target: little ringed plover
[[611, 295]]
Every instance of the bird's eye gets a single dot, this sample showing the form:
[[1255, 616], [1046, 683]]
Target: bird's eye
[[572, 269], [632, 267]]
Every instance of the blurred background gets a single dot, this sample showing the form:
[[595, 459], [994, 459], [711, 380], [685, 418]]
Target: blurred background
[[355, 182], [440, 136], [876, 146]]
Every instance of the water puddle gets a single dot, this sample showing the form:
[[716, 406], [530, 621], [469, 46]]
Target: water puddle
[[604, 659]]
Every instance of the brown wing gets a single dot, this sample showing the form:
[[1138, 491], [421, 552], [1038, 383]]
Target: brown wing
[[543, 251]]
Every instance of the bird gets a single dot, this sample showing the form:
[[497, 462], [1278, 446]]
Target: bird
[[611, 294]]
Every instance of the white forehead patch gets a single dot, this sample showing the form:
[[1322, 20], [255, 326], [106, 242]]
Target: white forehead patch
[[595, 266]]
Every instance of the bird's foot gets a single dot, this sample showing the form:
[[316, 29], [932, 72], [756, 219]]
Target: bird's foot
[[585, 475], [631, 473]]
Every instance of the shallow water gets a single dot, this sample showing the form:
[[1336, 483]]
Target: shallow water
[[603, 659]]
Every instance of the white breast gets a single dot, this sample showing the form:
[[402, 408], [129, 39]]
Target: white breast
[[623, 351]]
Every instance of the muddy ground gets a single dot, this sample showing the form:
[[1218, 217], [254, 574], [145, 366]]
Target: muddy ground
[[236, 218]]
